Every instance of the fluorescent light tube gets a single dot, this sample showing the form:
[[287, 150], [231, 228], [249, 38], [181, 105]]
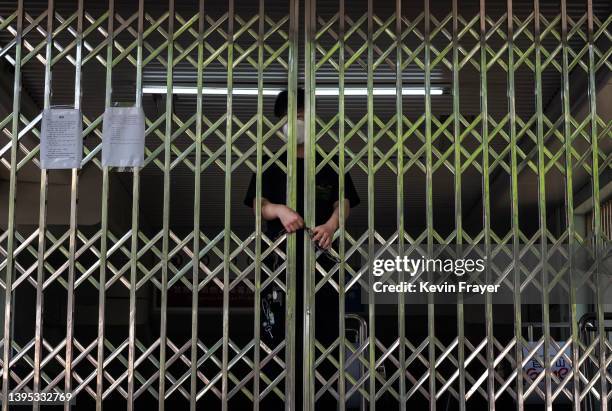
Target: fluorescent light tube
[[322, 91], [377, 91], [212, 91]]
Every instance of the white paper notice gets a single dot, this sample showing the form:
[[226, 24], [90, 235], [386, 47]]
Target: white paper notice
[[123, 137], [61, 138]]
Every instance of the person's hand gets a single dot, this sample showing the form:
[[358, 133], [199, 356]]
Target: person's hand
[[290, 220], [323, 235]]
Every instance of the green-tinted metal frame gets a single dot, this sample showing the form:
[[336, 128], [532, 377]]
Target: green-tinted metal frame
[[476, 363]]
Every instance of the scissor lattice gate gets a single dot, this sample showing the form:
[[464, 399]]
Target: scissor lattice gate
[[503, 157]]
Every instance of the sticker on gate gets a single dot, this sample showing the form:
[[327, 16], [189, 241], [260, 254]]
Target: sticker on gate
[[560, 367]]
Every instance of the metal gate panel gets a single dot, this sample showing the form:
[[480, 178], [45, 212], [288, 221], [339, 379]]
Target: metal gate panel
[[415, 143]]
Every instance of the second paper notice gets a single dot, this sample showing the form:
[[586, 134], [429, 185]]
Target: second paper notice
[[123, 137]]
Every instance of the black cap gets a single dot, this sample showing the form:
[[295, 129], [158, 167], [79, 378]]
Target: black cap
[[282, 102]]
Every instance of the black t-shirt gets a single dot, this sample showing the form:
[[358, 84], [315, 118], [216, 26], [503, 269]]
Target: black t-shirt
[[274, 188]]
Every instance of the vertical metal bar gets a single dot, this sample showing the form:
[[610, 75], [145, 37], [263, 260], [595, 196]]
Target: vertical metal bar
[[486, 206], [104, 218], [258, 220], [371, 230], [515, 212], [42, 215], [195, 281], [569, 206], [309, 201], [10, 263], [166, 210], [342, 227], [597, 229], [73, 215], [458, 205], [135, 222], [431, 355], [399, 118], [227, 238], [292, 203], [542, 204]]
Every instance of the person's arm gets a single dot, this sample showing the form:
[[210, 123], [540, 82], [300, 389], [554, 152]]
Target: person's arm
[[290, 220], [324, 233]]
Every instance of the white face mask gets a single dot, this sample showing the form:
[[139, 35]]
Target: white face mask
[[300, 131]]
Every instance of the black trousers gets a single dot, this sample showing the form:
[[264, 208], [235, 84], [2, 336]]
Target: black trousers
[[326, 310]]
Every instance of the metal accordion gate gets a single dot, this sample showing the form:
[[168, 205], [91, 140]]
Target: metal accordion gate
[[481, 125]]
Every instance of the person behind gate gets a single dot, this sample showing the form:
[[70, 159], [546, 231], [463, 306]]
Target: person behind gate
[[281, 219]]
